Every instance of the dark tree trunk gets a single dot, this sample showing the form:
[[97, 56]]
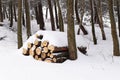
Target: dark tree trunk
[[61, 24], [76, 12], [46, 15], [11, 13], [36, 14], [15, 12], [79, 21], [118, 12], [19, 24], [28, 23], [1, 14], [51, 15], [23, 18], [41, 20], [56, 14], [70, 30], [113, 29], [99, 11], [92, 22]]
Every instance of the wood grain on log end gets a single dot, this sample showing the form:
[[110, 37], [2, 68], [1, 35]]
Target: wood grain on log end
[[25, 52], [39, 36]]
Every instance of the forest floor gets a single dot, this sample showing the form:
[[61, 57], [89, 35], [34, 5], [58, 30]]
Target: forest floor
[[98, 65]]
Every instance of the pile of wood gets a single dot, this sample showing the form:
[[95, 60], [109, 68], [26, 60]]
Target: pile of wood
[[43, 51]]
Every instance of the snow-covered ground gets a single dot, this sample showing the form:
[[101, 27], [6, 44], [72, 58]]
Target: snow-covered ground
[[98, 65]]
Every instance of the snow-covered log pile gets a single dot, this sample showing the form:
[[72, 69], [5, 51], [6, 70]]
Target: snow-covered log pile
[[47, 46]]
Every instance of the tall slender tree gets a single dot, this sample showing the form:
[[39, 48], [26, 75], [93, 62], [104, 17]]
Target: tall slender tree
[[11, 13], [28, 23], [70, 30], [19, 24], [56, 14], [113, 29], [118, 13], [80, 18], [99, 10], [1, 16], [41, 20], [14, 7], [51, 15], [37, 14], [92, 22], [61, 25]]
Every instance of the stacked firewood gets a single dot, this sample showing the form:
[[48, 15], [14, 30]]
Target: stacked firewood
[[44, 51]]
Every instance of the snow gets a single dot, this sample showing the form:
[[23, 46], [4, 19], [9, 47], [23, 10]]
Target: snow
[[100, 64]]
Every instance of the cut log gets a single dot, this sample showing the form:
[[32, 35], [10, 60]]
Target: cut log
[[44, 43], [39, 59], [63, 54], [55, 49], [51, 55], [43, 56], [48, 60], [82, 49], [32, 51], [39, 36], [38, 50], [61, 60], [37, 43], [48, 54], [36, 57], [29, 45], [45, 50], [25, 52]]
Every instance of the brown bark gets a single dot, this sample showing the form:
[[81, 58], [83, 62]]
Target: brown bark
[[51, 15], [56, 14], [70, 30], [92, 23], [79, 19], [113, 29], [41, 20]]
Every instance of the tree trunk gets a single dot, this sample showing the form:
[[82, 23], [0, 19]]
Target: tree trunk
[[11, 13], [46, 15], [23, 18], [99, 11], [61, 25], [92, 22], [113, 29], [51, 15], [15, 11], [36, 14], [78, 18], [41, 20], [56, 14], [76, 12], [70, 30], [118, 12], [1, 14], [28, 24], [19, 33]]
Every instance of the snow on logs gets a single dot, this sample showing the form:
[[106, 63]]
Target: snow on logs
[[42, 50]]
